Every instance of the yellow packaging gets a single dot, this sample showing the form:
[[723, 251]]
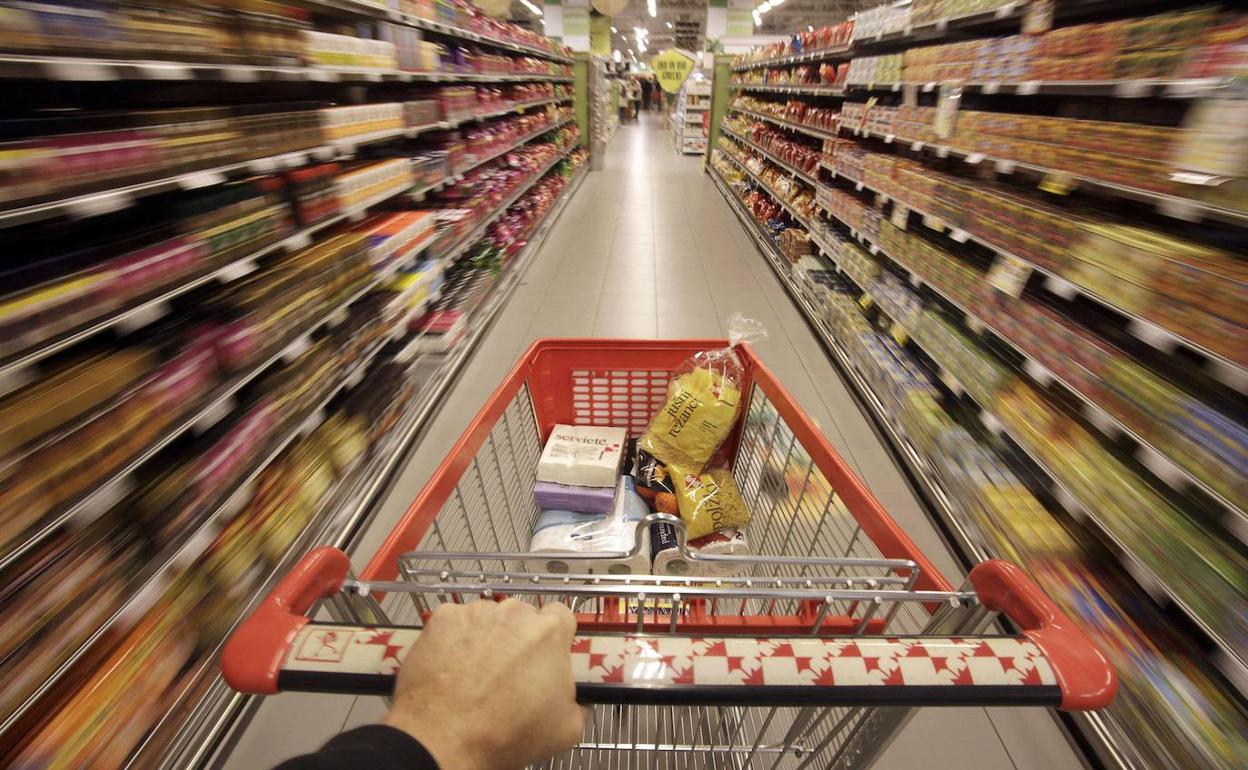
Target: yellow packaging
[[709, 501], [701, 409]]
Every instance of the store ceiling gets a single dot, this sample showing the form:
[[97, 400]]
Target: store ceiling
[[688, 20]]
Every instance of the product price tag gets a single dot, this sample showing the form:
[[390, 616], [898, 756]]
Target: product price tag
[[1101, 420], [235, 503], [163, 71], [296, 348], [1146, 579], [1058, 183], [899, 334], [1037, 372], [942, 151], [1153, 335], [990, 422], [236, 270], [880, 199], [1009, 274], [935, 223], [15, 378], [916, 281], [312, 422], [142, 316], [1180, 208], [973, 324], [102, 500], [1028, 88], [991, 87], [1061, 287], [1038, 17], [916, 146], [199, 179], [356, 377], [951, 382], [194, 548], [1069, 503], [1005, 167], [300, 240], [871, 247], [98, 205], [929, 87], [1162, 467], [888, 139], [961, 236], [78, 70], [900, 215], [143, 601], [213, 415], [1133, 89], [975, 158], [245, 74], [866, 302], [942, 24], [858, 186]]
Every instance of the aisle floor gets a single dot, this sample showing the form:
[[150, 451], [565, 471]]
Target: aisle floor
[[648, 247]]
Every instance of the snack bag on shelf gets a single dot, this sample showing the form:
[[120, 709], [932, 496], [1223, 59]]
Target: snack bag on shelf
[[703, 398]]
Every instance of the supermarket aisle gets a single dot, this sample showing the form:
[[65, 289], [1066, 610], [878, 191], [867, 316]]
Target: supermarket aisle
[[648, 247]]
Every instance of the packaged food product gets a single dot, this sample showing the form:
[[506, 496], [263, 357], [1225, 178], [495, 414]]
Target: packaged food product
[[709, 501], [703, 397]]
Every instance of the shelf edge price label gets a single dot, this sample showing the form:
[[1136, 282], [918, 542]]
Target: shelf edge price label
[[900, 215], [1009, 274], [900, 336], [866, 302]]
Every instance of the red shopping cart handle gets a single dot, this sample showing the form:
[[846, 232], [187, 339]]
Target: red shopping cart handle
[[1053, 663], [674, 670]]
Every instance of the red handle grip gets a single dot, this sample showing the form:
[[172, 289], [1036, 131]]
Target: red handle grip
[[254, 653], [1087, 679]]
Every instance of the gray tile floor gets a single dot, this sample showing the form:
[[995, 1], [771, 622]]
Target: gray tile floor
[[646, 248]]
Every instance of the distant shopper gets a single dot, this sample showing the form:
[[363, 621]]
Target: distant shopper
[[647, 93]]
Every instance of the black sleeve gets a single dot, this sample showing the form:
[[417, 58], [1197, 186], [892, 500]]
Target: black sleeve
[[376, 747]]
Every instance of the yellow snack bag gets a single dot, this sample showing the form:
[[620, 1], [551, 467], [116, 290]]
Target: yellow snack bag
[[703, 400], [701, 409], [709, 501]]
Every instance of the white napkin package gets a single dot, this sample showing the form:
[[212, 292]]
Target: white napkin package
[[582, 456]]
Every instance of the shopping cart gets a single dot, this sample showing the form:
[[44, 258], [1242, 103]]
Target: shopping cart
[[814, 654]]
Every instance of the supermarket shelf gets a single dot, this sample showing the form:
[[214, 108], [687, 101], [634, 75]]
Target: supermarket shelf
[[759, 181], [522, 140], [350, 506], [780, 88], [1099, 729], [81, 69], [1167, 471], [515, 109], [912, 33], [791, 169], [354, 9], [1227, 371], [150, 585], [1231, 662], [117, 198], [479, 230], [109, 491], [914, 462], [1186, 209], [808, 130], [1168, 88]]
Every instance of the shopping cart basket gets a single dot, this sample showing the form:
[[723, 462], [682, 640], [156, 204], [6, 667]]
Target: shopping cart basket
[[814, 654]]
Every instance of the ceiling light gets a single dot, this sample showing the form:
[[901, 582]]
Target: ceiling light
[[533, 9], [614, 31], [758, 20], [617, 56], [669, 24], [652, 7]]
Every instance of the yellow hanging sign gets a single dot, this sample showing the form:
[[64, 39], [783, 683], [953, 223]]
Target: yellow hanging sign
[[672, 67]]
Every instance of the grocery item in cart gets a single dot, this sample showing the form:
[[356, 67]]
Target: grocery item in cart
[[582, 455], [551, 496], [611, 539], [709, 502], [667, 558], [703, 398]]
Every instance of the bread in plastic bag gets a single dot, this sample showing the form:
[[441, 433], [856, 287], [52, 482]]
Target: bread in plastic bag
[[703, 401], [709, 501]]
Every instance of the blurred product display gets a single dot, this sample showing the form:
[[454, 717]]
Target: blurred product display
[[215, 347], [1024, 244]]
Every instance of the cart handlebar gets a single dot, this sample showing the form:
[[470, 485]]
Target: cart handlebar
[[1053, 663]]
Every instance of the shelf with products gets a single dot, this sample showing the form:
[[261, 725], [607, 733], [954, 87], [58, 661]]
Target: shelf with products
[[74, 69], [525, 139], [920, 328], [799, 127], [797, 88], [1197, 731], [799, 173], [951, 212], [191, 714], [1074, 167], [397, 300]]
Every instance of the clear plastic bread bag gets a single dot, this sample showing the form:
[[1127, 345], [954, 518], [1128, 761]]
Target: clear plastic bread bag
[[703, 401]]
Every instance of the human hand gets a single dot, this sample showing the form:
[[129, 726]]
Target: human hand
[[488, 685]]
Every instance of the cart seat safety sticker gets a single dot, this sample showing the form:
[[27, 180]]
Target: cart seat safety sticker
[[717, 662]]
